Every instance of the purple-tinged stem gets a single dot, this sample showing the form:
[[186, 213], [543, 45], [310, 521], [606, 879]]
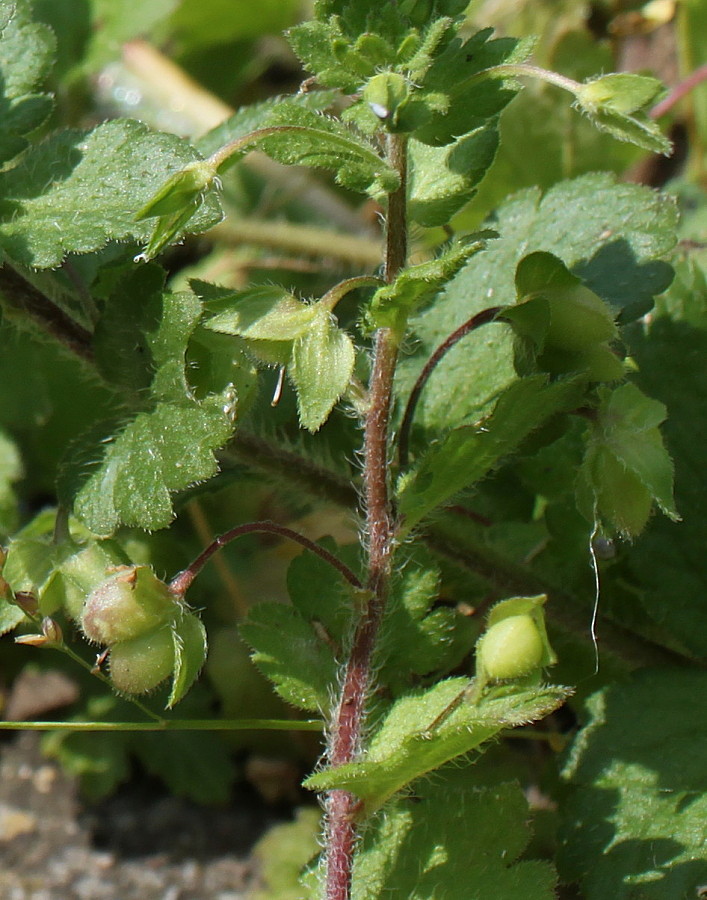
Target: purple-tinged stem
[[181, 582], [481, 318], [679, 91], [341, 806]]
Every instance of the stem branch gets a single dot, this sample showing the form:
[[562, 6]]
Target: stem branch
[[476, 321], [180, 583], [21, 296]]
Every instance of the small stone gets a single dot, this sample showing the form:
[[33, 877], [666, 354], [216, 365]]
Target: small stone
[[15, 822]]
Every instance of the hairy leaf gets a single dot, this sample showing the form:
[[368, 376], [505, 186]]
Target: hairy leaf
[[167, 438], [26, 54], [467, 454], [634, 820], [418, 636], [627, 465], [292, 655], [452, 841], [257, 115], [261, 313], [189, 636], [312, 139], [322, 363], [619, 103], [417, 285], [78, 190], [423, 731]]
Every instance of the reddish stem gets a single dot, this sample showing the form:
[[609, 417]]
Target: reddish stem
[[341, 806], [476, 321], [181, 582], [679, 91]]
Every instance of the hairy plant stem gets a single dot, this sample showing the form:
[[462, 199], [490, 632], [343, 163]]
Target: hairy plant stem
[[20, 296], [346, 728]]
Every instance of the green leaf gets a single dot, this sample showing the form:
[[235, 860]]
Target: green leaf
[[669, 561], [314, 44], [7, 10], [444, 179], [470, 102], [10, 472], [419, 284], [320, 596], [612, 236], [26, 55], [417, 636], [619, 104], [78, 190], [312, 139], [189, 636], [120, 21], [214, 22], [32, 564], [175, 203], [453, 840], [283, 851], [251, 118], [467, 454], [263, 313], [563, 326], [292, 655], [10, 615], [322, 364], [423, 731], [634, 821], [100, 760], [167, 441], [627, 465]]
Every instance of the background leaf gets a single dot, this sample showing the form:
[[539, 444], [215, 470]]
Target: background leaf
[[467, 454], [26, 55], [633, 825], [578, 221]]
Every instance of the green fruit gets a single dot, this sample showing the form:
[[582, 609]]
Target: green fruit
[[139, 665], [128, 604], [512, 648]]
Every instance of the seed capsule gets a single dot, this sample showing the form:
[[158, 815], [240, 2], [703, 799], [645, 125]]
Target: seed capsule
[[129, 603], [139, 665], [512, 648]]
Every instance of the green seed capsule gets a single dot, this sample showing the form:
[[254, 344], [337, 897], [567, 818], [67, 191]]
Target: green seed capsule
[[129, 603], [139, 665], [512, 648]]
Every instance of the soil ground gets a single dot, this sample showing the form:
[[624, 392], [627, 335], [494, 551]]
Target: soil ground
[[141, 844]]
